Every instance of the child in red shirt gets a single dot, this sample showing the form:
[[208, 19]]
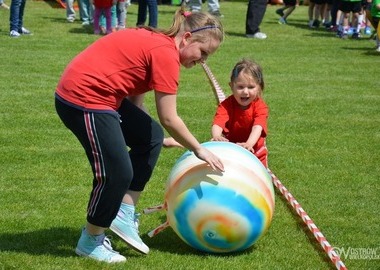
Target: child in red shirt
[[100, 99], [103, 7], [242, 117]]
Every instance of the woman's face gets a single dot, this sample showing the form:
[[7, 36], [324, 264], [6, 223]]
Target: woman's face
[[193, 52]]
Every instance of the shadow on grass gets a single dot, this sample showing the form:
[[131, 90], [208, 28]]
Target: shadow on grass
[[61, 242], [58, 241], [300, 24], [88, 29], [295, 23], [369, 51], [235, 34], [314, 242]]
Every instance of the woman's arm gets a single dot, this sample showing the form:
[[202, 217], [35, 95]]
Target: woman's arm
[[139, 102], [167, 113]]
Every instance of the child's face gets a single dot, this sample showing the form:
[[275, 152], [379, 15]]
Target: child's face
[[245, 89], [193, 52]]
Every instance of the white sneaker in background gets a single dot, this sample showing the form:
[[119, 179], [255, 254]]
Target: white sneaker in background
[[14, 34], [258, 35]]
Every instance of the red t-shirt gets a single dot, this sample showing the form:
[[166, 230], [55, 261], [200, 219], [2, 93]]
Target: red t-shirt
[[103, 3], [237, 123], [121, 64]]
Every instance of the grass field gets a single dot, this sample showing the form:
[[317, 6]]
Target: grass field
[[324, 143]]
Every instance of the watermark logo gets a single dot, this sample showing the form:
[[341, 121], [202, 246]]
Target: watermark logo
[[352, 253]]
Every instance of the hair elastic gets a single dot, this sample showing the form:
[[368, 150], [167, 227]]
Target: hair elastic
[[204, 28], [186, 13]]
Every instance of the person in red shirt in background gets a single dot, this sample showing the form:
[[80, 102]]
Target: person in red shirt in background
[[103, 7], [100, 99], [242, 117]]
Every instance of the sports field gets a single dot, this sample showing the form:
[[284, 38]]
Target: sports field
[[324, 145]]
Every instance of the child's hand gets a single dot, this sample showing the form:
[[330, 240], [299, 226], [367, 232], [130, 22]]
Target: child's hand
[[247, 146], [219, 139]]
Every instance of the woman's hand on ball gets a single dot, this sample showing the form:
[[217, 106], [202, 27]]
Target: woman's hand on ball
[[210, 158]]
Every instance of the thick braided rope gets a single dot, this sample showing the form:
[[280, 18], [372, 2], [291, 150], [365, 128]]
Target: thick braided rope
[[309, 222]]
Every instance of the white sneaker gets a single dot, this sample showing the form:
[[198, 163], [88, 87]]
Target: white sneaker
[[125, 225], [25, 31], [3, 5], [98, 248], [282, 21], [216, 13], [258, 35], [378, 48], [14, 33]]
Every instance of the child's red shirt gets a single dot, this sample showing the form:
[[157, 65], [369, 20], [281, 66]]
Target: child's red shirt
[[237, 123]]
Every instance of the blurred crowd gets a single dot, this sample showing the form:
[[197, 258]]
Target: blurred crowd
[[346, 18]]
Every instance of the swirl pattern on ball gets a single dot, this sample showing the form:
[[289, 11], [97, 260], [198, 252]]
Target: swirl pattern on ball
[[220, 212]]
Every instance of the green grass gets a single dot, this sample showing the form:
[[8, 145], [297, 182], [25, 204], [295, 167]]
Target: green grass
[[324, 142]]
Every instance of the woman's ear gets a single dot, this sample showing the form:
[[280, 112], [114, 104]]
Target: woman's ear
[[186, 38]]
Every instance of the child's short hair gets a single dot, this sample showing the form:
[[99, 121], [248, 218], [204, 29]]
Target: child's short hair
[[250, 68]]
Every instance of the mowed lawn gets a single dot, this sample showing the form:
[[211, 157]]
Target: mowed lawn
[[324, 143]]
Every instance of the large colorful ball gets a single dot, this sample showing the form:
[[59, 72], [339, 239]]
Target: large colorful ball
[[220, 212]]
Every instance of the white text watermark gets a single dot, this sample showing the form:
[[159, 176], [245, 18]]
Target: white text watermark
[[358, 253]]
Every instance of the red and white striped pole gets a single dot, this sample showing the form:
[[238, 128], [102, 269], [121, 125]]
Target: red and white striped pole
[[309, 222]]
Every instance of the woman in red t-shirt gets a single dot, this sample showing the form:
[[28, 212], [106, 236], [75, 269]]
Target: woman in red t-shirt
[[100, 99], [242, 117]]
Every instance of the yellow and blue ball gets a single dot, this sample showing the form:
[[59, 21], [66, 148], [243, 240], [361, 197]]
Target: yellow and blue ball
[[220, 212]]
